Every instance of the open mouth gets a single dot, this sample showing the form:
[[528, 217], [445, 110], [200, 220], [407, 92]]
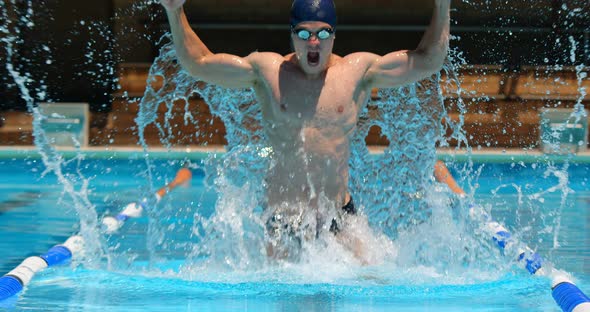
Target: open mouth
[[313, 58]]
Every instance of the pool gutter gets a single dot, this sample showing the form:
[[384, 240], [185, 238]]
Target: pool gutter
[[488, 155]]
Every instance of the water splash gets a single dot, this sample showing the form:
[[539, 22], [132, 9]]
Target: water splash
[[75, 184], [394, 189]]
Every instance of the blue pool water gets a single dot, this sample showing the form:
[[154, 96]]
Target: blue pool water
[[35, 214]]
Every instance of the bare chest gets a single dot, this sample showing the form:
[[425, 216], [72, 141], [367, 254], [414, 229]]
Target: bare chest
[[323, 103]]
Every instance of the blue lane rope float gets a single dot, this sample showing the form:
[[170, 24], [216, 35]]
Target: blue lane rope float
[[570, 298], [14, 281], [566, 294]]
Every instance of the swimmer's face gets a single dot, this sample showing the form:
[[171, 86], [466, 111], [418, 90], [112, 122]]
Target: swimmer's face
[[313, 52]]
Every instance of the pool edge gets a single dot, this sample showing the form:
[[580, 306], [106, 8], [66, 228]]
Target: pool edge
[[491, 155]]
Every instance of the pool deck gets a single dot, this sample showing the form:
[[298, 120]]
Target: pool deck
[[198, 152]]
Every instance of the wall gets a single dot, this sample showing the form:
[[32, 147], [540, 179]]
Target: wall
[[520, 32]]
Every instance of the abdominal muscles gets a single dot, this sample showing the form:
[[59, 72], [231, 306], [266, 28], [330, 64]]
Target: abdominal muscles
[[308, 165]]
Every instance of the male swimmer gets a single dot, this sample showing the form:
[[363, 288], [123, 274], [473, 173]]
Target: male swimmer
[[310, 100]]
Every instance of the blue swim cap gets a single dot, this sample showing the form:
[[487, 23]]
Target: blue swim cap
[[313, 10]]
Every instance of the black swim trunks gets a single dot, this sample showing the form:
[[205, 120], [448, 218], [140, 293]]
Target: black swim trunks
[[350, 209], [285, 233], [291, 225]]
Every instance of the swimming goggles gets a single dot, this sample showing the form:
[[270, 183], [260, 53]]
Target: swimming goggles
[[321, 34]]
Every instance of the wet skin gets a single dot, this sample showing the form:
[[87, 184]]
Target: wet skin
[[310, 99]]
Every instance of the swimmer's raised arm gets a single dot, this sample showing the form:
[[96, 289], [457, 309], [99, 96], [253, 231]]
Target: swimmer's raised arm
[[403, 67], [194, 56]]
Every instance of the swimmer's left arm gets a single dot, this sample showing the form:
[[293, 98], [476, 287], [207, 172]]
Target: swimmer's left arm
[[442, 174], [403, 67]]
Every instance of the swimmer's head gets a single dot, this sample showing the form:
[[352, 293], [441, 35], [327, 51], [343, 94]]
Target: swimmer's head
[[313, 24], [313, 10]]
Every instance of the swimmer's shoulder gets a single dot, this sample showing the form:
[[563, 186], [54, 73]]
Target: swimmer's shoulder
[[359, 63], [257, 57], [264, 61], [358, 58]]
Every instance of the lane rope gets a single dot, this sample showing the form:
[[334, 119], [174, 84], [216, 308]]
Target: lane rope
[[14, 281]]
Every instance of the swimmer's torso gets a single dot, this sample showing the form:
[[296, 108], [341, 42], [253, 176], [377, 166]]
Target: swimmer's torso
[[309, 123]]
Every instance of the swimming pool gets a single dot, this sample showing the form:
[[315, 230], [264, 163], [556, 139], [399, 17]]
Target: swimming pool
[[35, 215]]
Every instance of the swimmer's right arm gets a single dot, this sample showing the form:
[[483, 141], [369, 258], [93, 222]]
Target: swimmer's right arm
[[194, 56]]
